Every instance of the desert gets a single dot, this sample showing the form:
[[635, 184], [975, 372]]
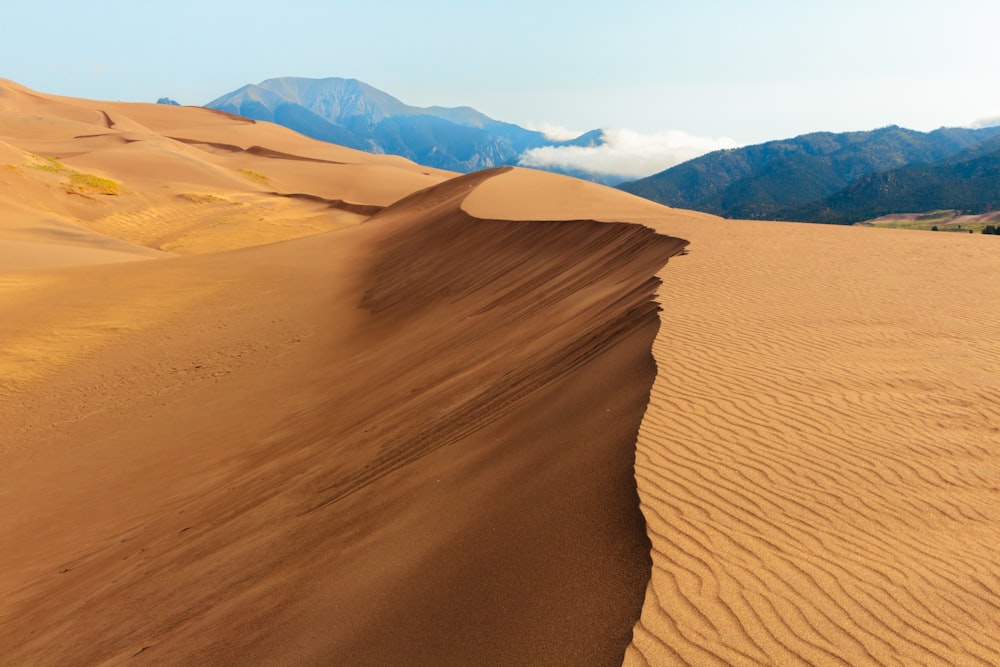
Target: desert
[[269, 400]]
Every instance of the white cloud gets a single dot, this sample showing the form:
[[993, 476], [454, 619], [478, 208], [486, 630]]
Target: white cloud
[[553, 132], [626, 153], [986, 122]]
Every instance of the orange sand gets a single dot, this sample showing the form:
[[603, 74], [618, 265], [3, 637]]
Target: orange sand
[[430, 438]]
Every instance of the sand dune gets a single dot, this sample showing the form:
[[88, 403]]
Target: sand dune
[[818, 462], [446, 495], [10, 154], [378, 446], [184, 180], [461, 433], [818, 465]]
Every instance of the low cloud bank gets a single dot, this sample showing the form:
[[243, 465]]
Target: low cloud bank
[[985, 122], [553, 132], [626, 153]]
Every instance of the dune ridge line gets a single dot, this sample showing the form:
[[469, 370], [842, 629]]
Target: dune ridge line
[[441, 426]]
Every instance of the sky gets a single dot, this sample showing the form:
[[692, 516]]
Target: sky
[[667, 80]]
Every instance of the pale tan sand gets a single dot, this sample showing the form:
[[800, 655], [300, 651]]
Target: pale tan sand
[[20, 255], [11, 154], [818, 465]]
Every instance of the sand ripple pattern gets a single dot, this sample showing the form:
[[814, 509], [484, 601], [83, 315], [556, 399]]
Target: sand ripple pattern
[[819, 466]]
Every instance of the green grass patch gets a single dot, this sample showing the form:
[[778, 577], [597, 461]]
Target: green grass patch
[[938, 216], [79, 183], [47, 167], [254, 176], [202, 198], [907, 224], [939, 223], [90, 184], [49, 164]]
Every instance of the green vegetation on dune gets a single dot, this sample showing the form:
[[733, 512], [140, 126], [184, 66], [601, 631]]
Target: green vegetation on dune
[[88, 183], [203, 198], [254, 176], [49, 164], [79, 182], [46, 167]]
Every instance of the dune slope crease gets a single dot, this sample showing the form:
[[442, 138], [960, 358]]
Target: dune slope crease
[[410, 441]]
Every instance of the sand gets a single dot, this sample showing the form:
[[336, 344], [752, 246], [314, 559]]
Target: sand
[[819, 462], [183, 180], [336, 416], [380, 445], [263, 473]]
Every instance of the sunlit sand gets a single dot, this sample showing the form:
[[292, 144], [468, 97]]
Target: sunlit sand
[[266, 400]]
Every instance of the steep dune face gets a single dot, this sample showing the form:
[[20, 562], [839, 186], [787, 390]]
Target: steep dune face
[[818, 461], [818, 464], [410, 441]]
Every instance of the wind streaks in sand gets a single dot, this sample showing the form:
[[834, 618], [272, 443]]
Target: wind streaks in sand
[[819, 465]]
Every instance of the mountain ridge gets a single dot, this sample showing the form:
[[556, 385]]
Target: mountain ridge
[[966, 182], [786, 179], [355, 114]]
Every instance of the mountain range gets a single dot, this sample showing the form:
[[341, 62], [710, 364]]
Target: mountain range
[[838, 178], [354, 114]]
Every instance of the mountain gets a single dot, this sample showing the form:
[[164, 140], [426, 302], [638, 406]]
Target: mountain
[[354, 114], [168, 101], [786, 179], [968, 182]]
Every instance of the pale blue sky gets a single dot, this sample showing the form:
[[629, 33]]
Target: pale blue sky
[[750, 71]]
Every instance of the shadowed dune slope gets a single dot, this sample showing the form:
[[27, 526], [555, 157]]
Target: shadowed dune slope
[[820, 459], [819, 462], [406, 442]]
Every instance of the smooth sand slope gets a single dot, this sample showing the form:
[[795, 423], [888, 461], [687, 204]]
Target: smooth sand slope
[[404, 442]]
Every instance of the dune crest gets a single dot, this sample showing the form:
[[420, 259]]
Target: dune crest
[[408, 441], [413, 418]]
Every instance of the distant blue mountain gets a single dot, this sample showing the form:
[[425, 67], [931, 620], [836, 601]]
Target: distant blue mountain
[[837, 178], [353, 114]]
